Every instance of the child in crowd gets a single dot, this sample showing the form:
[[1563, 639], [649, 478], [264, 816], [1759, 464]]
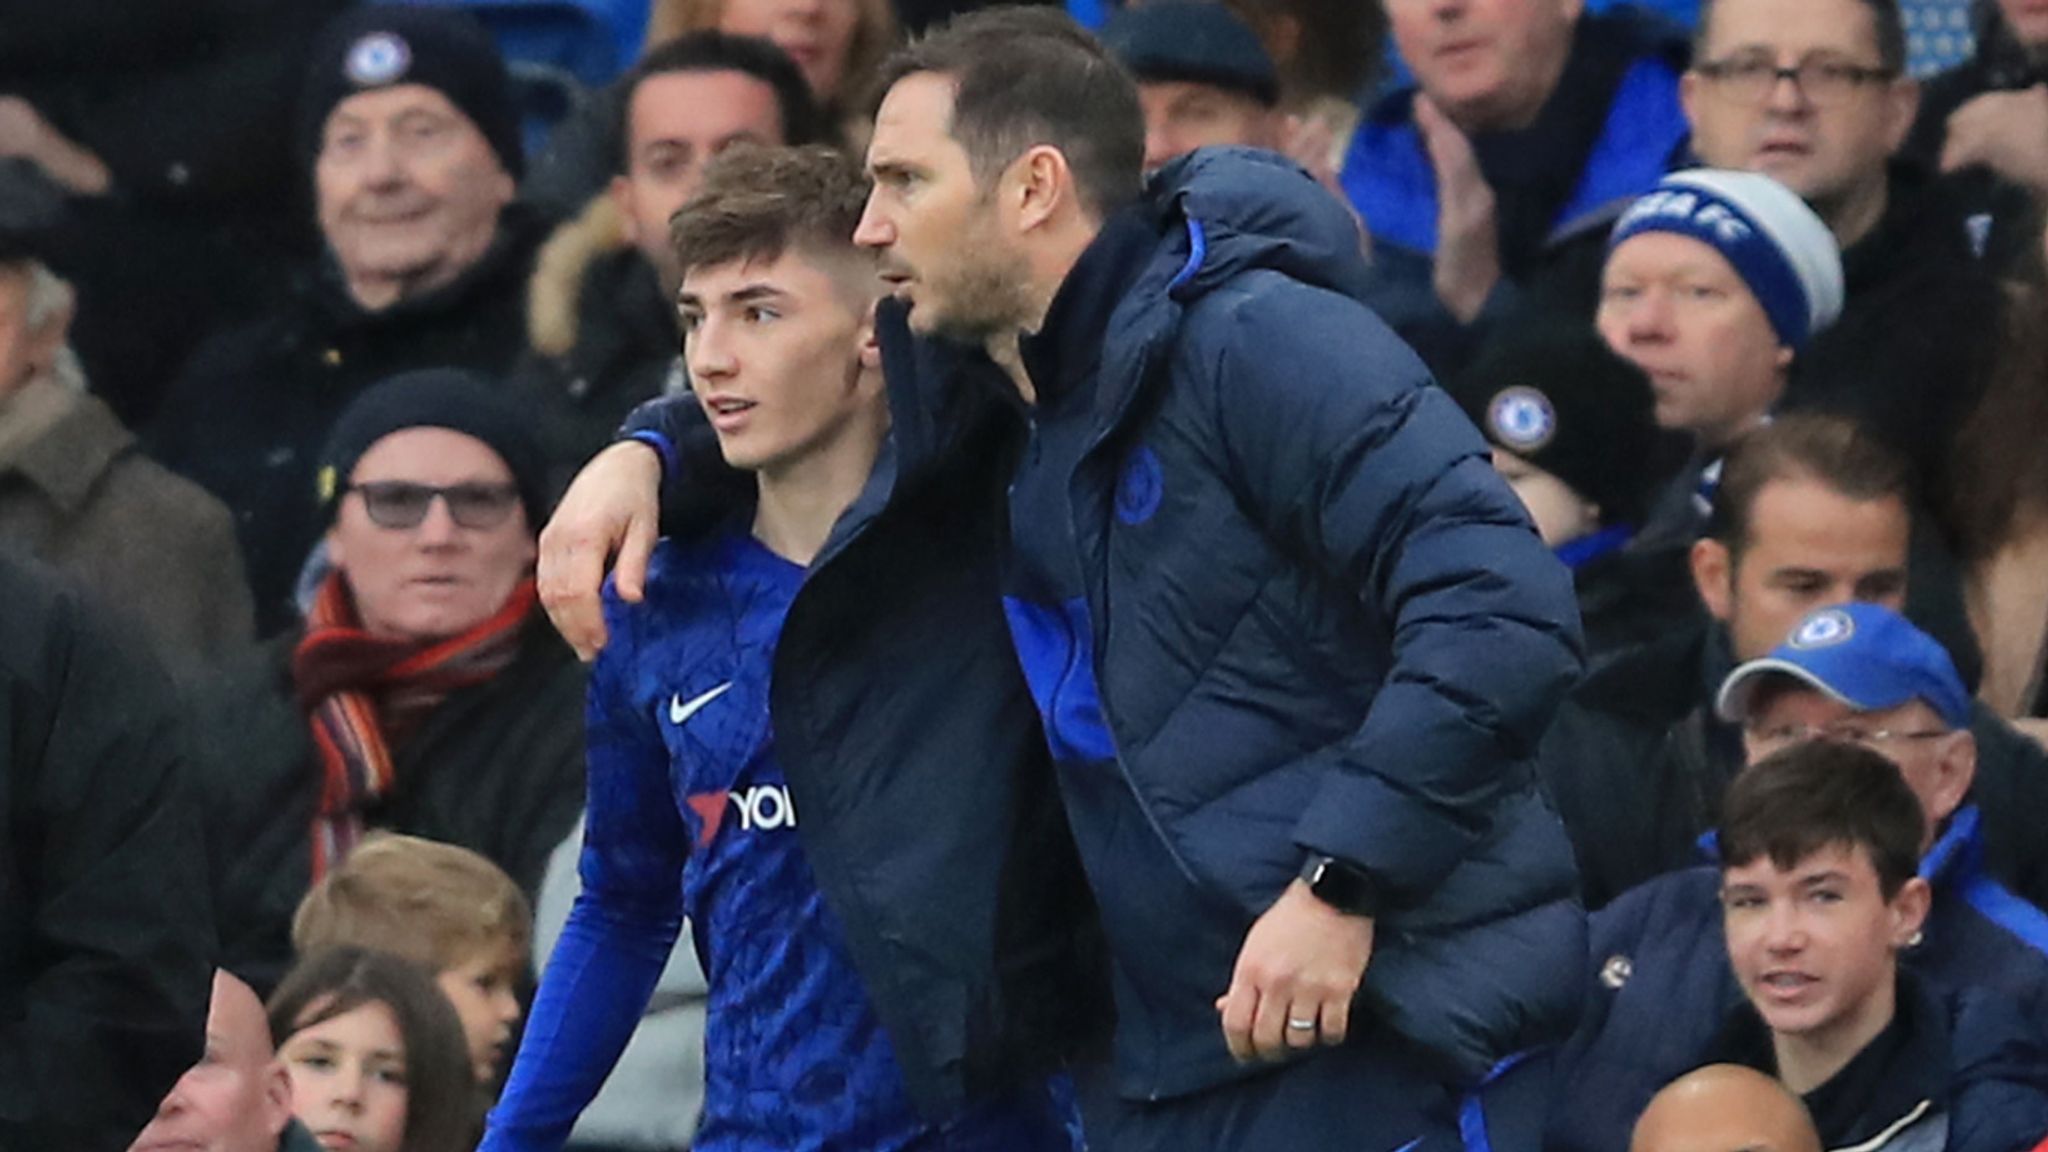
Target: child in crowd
[[1820, 891], [374, 1053], [445, 908]]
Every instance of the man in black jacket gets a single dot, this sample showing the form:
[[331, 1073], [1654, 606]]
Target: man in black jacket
[[407, 128], [602, 310], [106, 932], [423, 692], [1810, 512]]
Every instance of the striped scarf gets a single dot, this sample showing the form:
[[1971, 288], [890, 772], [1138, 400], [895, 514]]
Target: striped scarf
[[363, 695]]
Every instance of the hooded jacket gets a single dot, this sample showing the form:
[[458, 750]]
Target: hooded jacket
[[962, 902], [1273, 602], [1664, 985], [247, 416], [1952, 1072], [603, 338]]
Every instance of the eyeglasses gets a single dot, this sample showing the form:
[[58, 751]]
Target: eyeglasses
[[1825, 82], [1875, 739], [400, 504]]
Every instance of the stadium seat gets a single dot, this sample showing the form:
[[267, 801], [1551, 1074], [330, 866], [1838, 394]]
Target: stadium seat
[[590, 40]]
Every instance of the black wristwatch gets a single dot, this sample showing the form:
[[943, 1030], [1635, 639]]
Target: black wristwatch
[[1342, 885]]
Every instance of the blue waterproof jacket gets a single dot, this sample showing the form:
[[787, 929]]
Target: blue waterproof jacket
[[1664, 985], [1312, 620]]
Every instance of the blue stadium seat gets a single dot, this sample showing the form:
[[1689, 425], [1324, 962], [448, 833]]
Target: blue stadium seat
[[590, 40], [1939, 34]]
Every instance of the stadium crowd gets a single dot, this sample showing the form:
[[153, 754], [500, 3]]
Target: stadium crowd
[[1538, 507]]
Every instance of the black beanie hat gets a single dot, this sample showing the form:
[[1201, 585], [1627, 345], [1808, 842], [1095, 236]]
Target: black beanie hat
[[31, 211], [1566, 403], [435, 398], [383, 45], [1195, 41]]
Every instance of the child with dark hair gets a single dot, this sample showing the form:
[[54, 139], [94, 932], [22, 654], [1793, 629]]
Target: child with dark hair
[[375, 1053], [1820, 891]]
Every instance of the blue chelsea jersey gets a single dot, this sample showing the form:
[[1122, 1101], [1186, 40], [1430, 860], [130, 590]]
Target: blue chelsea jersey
[[683, 775]]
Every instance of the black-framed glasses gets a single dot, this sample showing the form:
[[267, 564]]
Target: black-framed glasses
[[402, 504], [1824, 81], [1875, 739]]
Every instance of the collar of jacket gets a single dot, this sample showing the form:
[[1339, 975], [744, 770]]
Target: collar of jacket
[[621, 316], [59, 440], [297, 1138], [1895, 1081], [1921, 223], [1063, 355], [511, 253], [1958, 853]]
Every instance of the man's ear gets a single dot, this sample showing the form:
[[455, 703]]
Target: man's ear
[[1713, 574], [277, 1097], [1040, 184], [1957, 769], [620, 192], [1909, 911], [868, 341], [1902, 107]]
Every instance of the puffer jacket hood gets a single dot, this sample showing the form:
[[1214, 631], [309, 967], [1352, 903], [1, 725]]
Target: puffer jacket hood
[[1222, 318], [1245, 209]]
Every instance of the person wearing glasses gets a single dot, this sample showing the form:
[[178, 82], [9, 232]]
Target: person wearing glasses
[[1813, 93], [1855, 673], [1810, 511], [424, 691]]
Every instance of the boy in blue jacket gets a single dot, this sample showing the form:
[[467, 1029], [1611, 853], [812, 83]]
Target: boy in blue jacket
[[700, 776], [1819, 895]]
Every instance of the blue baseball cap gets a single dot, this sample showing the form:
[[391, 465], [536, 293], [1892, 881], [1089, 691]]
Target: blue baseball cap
[[1864, 655]]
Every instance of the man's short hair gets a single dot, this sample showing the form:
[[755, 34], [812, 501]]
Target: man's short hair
[[1026, 76], [756, 203], [1824, 794], [1808, 445], [713, 51], [1885, 17], [435, 904]]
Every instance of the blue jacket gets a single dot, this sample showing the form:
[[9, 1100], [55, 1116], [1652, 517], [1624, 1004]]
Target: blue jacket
[[1664, 985], [1268, 588], [1614, 125]]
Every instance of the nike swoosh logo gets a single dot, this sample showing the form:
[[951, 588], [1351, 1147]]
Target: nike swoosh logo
[[679, 711]]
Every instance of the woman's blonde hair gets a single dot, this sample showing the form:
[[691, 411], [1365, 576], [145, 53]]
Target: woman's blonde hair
[[875, 35]]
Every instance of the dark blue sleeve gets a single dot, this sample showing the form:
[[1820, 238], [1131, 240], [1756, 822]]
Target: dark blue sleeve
[[698, 488], [624, 922], [1364, 469]]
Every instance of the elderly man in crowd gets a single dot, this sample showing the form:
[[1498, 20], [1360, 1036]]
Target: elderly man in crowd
[[1526, 124], [411, 138], [75, 489], [238, 1098], [424, 692]]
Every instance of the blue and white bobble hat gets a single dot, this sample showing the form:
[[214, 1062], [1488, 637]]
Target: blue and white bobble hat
[[1773, 240]]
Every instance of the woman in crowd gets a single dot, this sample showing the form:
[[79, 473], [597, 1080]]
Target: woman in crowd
[[375, 1054]]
